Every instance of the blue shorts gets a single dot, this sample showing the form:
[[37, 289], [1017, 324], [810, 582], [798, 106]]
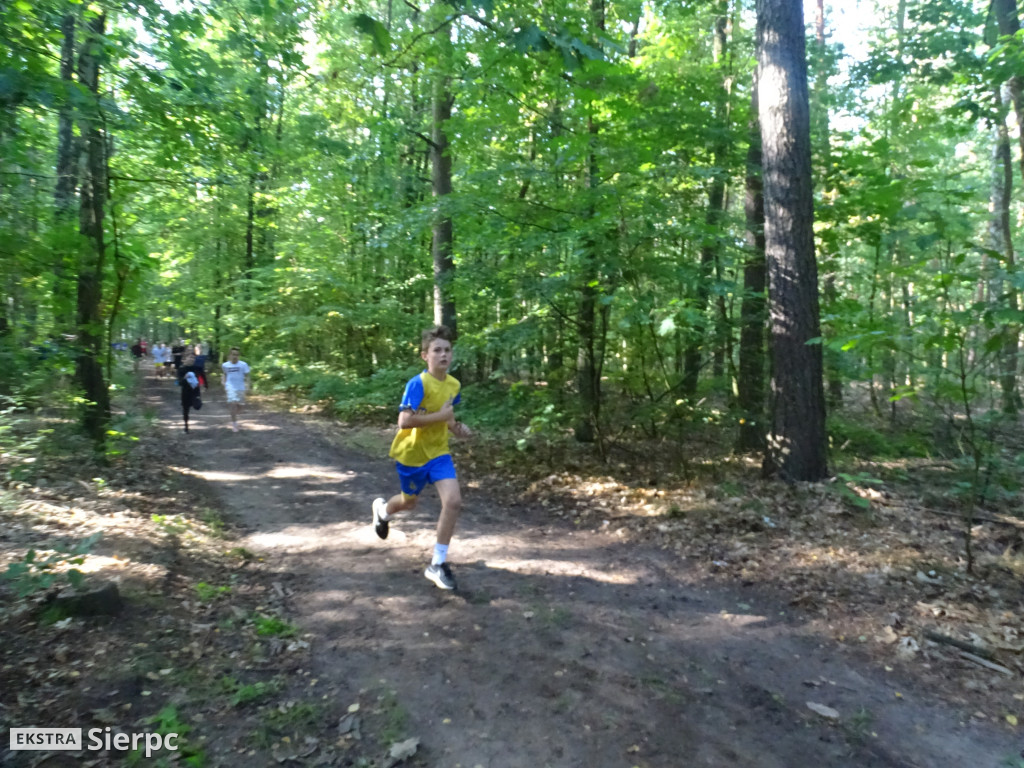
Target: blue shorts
[[415, 479]]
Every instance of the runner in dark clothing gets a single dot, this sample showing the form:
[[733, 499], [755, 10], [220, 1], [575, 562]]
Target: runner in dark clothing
[[137, 353], [176, 354], [190, 391]]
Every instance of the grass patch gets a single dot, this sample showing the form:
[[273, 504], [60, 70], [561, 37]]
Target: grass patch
[[273, 626]]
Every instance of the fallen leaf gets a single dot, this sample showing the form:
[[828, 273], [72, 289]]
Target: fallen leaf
[[821, 709], [349, 724]]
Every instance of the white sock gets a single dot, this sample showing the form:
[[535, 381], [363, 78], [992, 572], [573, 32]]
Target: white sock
[[440, 554]]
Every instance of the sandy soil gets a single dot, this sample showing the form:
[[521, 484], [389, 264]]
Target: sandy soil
[[563, 647]]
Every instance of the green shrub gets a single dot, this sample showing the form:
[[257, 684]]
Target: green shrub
[[34, 573]]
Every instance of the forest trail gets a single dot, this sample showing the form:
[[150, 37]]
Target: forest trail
[[563, 647]]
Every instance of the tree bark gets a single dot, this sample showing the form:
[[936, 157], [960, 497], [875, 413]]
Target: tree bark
[[1001, 241], [588, 375], [1008, 23], [64, 190], [710, 252], [796, 446], [820, 128], [750, 382], [441, 179], [89, 370]]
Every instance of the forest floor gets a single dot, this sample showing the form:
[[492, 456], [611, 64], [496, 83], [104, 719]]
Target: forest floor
[[609, 615]]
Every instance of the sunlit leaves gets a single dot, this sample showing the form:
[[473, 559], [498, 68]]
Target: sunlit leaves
[[376, 31]]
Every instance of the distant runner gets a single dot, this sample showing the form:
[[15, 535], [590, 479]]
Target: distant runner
[[236, 382]]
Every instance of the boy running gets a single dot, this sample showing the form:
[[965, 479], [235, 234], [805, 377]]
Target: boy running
[[236, 382], [426, 417]]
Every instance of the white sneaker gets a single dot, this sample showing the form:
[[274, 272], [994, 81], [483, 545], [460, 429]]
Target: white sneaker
[[380, 525], [441, 575]]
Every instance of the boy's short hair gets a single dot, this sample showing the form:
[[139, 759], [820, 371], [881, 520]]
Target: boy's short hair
[[437, 332], [234, 349]]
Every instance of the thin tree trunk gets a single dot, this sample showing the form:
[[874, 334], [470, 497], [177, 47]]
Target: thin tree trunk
[[1001, 241], [820, 132], [588, 377], [710, 252], [67, 171], [797, 441], [1009, 25], [89, 371], [441, 178]]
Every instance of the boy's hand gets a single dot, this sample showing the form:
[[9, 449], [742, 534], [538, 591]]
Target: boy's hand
[[459, 429], [447, 413]]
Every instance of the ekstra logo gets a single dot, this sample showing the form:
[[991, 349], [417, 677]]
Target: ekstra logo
[[99, 739], [46, 738]]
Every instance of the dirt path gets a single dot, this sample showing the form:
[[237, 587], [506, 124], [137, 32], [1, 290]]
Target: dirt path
[[563, 647]]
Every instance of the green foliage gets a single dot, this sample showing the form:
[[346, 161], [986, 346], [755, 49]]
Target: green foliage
[[846, 487], [272, 189], [856, 436], [37, 571], [165, 722], [208, 592], [351, 397], [172, 525], [273, 626], [250, 692]]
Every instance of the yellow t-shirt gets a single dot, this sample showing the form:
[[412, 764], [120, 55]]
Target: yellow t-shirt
[[424, 394]]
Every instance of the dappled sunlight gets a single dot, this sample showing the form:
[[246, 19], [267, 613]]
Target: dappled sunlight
[[304, 470], [567, 567], [252, 426], [225, 477], [293, 538], [281, 472]]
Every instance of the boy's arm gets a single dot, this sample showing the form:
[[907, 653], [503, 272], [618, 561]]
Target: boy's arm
[[408, 419]]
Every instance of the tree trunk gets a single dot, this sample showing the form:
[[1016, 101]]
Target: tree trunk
[[64, 191], [89, 371], [1001, 241], [441, 178], [1008, 22], [588, 377], [797, 440], [710, 252], [750, 382], [820, 133]]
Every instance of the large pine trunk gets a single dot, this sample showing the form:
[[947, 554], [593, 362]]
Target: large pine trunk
[[796, 446], [89, 370], [750, 381]]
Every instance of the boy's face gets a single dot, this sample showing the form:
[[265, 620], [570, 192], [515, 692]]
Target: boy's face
[[438, 356], [233, 356]]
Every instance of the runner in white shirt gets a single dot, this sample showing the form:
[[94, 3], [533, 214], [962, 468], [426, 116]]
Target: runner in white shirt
[[236, 382], [160, 359]]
